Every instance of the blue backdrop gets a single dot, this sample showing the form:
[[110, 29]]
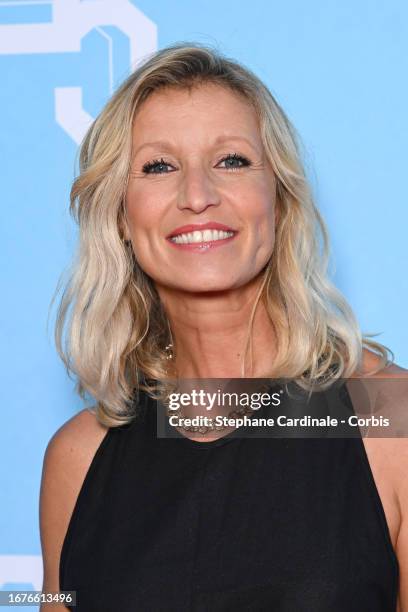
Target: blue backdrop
[[337, 68]]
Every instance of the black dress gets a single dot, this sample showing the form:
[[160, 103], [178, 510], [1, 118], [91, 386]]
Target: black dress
[[231, 525]]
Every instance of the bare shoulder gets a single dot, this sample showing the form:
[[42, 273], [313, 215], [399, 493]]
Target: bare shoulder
[[67, 458], [371, 362]]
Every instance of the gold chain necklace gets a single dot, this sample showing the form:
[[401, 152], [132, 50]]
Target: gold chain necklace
[[202, 429]]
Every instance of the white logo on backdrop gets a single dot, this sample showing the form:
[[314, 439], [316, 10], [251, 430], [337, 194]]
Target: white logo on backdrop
[[71, 21], [21, 569]]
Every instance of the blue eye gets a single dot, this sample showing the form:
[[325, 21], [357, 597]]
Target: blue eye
[[156, 166], [234, 161]]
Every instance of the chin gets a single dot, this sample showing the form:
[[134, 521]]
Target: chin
[[205, 286]]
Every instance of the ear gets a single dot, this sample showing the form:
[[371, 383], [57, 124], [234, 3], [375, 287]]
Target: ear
[[122, 224], [277, 211], [126, 234]]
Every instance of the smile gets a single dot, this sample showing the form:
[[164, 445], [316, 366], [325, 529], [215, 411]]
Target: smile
[[208, 235], [201, 241]]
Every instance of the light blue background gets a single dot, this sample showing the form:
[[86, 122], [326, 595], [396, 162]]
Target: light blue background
[[339, 69]]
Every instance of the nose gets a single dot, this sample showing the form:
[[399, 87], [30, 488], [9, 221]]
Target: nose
[[197, 190]]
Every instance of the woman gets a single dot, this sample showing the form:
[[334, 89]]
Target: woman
[[199, 258]]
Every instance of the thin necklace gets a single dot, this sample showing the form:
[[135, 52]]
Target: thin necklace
[[203, 429]]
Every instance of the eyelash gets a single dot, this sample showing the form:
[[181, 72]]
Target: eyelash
[[161, 162]]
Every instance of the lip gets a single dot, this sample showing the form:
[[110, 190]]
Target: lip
[[201, 247], [184, 229]]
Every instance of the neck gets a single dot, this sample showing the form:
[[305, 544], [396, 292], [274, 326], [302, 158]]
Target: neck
[[210, 331]]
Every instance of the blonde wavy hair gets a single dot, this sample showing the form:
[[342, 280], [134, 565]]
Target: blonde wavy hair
[[115, 327]]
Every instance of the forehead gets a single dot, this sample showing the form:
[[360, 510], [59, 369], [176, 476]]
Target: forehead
[[204, 109]]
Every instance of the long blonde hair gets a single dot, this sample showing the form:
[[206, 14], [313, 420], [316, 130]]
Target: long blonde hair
[[117, 329]]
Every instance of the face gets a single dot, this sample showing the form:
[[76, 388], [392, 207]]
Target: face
[[201, 196]]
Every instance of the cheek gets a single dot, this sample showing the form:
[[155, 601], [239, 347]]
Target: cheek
[[143, 211], [262, 211], [263, 221], [266, 235]]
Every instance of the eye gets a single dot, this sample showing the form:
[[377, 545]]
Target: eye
[[233, 161], [156, 166]]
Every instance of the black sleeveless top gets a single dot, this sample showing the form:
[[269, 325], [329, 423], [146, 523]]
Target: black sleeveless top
[[229, 525]]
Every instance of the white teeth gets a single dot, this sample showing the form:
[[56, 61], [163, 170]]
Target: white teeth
[[207, 235]]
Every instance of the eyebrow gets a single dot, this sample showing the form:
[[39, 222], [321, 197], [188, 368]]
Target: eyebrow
[[162, 144], [226, 138], [167, 146]]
